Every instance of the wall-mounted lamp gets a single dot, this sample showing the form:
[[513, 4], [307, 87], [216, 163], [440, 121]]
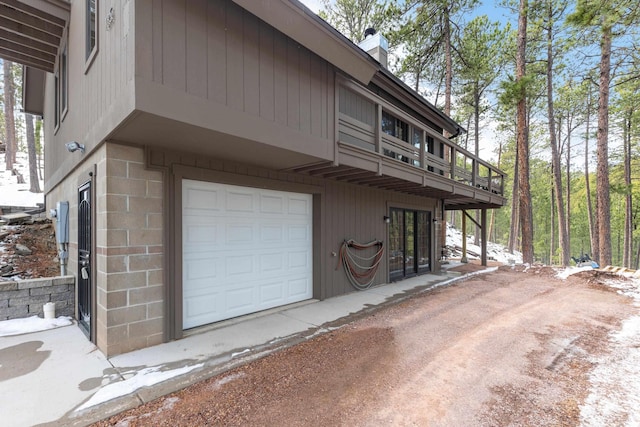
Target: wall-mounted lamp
[[386, 219], [74, 146]]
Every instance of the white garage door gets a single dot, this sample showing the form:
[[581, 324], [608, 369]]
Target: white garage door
[[244, 250]]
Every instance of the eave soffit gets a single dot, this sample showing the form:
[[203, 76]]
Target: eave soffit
[[31, 31]]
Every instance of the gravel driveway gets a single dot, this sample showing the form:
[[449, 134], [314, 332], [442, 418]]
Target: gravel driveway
[[507, 348]]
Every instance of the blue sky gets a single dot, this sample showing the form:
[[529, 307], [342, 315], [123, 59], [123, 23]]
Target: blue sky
[[489, 8]]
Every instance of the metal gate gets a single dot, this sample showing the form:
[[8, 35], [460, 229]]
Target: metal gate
[[85, 289]]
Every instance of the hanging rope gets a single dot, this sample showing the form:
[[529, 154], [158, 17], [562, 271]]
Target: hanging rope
[[360, 276]]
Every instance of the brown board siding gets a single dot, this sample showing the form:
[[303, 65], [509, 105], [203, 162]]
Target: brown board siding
[[347, 211], [99, 91], [218, 51]]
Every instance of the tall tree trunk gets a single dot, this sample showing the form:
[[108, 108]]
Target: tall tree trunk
[[628, 218], [515, 227], [568, 214], [522, 140], [593, 227], [476, 139], [602, 183], [34, 184], [37, 133], [448, 77], [10, 130], [552, 234], [555, 155], [493, 211]]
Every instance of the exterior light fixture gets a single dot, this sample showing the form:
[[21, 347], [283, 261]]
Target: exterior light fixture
[[386, 219], [74, 146]]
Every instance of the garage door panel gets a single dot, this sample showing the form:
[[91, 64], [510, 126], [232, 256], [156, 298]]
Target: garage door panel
[[249, 252], [203, 306], [200, 199], [239, 234], [299, 260], [272, 204], [239, 265], [299, 233], [202, 268], [201, 234], [240, 201], [240, 299], [272, 263], [298, 287], [272, 292], [299, 206], [272, 233]]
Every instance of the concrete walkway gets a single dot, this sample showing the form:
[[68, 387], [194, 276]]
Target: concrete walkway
[[59, 378]]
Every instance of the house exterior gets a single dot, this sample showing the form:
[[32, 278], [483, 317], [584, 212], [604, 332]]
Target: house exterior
[[217, 154]]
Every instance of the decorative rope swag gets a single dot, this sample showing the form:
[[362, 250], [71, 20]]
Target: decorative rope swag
[[360, 276]]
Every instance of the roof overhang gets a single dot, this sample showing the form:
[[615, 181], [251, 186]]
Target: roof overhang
[[292, 18], [31, 31]]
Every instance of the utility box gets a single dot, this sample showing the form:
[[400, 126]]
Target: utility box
[[62, 222]]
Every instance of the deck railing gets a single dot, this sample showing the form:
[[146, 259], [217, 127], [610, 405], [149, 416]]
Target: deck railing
[[370, 122]]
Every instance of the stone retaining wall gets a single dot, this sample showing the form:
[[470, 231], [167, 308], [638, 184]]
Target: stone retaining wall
[[25, 298]]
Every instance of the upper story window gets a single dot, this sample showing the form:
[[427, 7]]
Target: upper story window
[[61, 84], [64, 82], [91, 30], [393, 126], [56, 100]]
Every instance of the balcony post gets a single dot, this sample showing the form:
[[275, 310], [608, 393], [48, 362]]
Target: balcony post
[[423, 160], [474, 171], [378, 134], [452, 173], [489, 179], [483, 237]]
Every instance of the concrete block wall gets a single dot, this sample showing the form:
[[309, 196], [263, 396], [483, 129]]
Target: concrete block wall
[[25, 298], [128, 245], [129, 251]]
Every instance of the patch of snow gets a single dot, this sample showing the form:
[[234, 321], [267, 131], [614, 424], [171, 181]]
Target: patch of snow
[[224, 380], [495, 251], [31, 324], [12, 193], [570, 271], [167, 405], [614, 395], [246, 350], [144, 378]]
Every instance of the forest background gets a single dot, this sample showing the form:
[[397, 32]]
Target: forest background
[[548, 90]]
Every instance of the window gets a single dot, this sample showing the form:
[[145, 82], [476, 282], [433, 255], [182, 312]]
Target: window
[[61, 86], [91, 30], [56, 101], [64, 80], [393, 126]]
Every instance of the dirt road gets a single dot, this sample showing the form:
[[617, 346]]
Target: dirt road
[[505, 348]]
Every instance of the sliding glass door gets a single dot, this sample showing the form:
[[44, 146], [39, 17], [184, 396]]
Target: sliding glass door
[[409, 243]]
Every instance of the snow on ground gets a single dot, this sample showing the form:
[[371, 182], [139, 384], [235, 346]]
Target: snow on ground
[[614, 395], [12, 193], [143, 378], [495, 251], [31, 324]]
